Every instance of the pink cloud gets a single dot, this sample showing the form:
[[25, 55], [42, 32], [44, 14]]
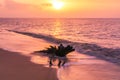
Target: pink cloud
[[15, 9], [10, 4]]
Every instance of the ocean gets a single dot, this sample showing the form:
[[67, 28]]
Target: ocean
[[96, 37], [100, 31]]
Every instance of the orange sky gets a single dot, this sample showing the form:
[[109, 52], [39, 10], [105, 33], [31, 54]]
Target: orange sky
[[71, 8]]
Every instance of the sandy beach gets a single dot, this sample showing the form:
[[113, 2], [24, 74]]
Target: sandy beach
[[14, 66]]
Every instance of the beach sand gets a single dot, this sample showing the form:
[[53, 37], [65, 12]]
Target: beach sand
[[14, 66]]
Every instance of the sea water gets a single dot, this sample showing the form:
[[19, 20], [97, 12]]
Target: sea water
[[23, 35], [103, 32]]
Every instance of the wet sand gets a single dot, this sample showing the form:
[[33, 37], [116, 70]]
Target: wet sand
[[14, 66], [85, 67]]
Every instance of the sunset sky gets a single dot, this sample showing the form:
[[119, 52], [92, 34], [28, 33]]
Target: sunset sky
[[60, 8]]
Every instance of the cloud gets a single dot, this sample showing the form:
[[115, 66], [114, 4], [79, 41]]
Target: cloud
[[10, 4], [47, 4], [16, 9]]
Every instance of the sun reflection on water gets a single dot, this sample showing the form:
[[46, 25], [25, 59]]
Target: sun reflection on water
[[57, 28]]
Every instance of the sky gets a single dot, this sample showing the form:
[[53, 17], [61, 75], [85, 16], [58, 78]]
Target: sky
[[69, 9]]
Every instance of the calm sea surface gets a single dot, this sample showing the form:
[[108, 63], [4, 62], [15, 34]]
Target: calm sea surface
[[103, 32]]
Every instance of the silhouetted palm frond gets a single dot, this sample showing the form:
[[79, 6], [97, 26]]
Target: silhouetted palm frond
[[63, 51], [59, 51], [69, 49]]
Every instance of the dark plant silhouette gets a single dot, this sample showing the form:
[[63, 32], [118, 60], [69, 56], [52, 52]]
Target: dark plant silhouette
[[59, 53], [50, 52], [62, 52]]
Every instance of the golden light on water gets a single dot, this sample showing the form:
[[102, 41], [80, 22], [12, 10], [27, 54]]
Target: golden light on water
[[57, 28]]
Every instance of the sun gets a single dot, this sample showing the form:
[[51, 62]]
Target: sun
[[57, 4]]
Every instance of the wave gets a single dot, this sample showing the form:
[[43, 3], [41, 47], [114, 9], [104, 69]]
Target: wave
[[108, 54]]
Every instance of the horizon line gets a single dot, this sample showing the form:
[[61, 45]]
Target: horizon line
[[63, 17]]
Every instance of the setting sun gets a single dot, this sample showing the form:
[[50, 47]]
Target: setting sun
[[57, 4]]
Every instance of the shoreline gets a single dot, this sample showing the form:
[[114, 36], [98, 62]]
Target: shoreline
[[108, 54], [14, 66]]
